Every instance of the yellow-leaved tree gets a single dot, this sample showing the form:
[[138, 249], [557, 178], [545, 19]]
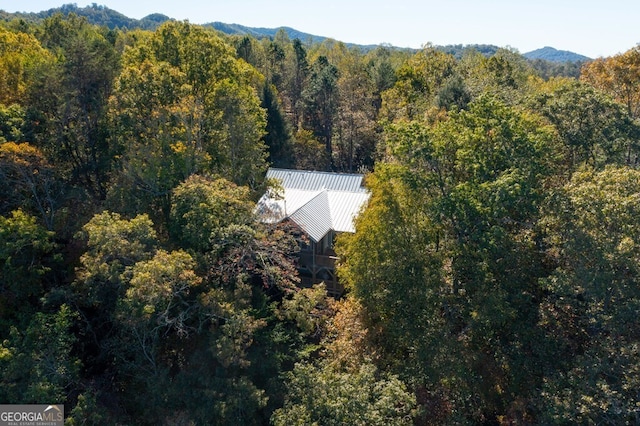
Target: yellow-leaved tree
[[618, 75], [184, 104]]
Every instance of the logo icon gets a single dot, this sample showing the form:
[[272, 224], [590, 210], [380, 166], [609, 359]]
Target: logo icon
[[32, 415], [53, 407]]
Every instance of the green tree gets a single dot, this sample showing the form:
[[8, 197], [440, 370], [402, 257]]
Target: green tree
[[190, 337], [382, 73], [400, 298], [31, 182], [66, 113], [202, 209], [592, 231], [159, 125], [453, 94], [278, 134], [175, 332], [28, 260], [274, 63], [247, 48], [156, 317], [87, 411], [11, 123], [232, 358], [309, 151], [593, 127], [36, 363], [242, 153], [321, 98], [355, 127], [184, 104], [157, 297], [319, 395], [444, 263], [21, 56], [417, 83], [114, 246], [504, 74], [296, 76]]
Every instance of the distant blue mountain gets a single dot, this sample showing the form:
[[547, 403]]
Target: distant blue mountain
[[553, 55], [237, 29], [102, 15], [97, 15]]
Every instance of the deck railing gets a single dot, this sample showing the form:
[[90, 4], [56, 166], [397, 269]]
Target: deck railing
[[321, 261], [334, 288], [322, 269]]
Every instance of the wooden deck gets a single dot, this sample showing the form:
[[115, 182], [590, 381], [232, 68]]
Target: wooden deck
[[320, 268], [334, 288]]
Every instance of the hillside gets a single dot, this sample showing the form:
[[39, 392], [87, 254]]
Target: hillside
[[554, 55], [95, 14], [491, 275], [458, 50], [237, 29], [102, 15]]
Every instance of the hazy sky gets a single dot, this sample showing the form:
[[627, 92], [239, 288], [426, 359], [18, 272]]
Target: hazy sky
[[592, 28]]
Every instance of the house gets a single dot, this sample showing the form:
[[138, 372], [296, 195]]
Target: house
[[322, 205]]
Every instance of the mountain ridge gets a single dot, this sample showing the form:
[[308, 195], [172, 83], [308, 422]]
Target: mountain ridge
[[102, 15], [551, 54]]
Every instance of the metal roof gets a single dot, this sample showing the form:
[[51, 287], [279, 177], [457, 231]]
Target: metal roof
[[345, 206], [316, 210], [314, 217], [314, 181], [275, 209]]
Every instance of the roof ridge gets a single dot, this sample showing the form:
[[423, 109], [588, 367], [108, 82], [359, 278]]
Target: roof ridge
[[304, 211], [346, 191], [316, 171], [319, 192]]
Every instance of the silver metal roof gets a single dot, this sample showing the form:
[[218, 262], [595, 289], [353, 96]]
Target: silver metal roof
[[316, 210], [345, 206], [275, 209], [314, 217], [315, 181]]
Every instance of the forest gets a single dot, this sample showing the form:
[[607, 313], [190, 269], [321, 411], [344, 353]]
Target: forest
[[493, 278]]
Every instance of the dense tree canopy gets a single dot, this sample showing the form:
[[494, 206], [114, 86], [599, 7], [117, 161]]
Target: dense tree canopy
[[619, 76], [183, 104], [67, 102], [492, 279]]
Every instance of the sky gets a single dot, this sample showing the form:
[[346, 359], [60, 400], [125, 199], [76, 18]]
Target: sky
[[588, 27]]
